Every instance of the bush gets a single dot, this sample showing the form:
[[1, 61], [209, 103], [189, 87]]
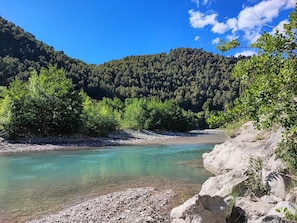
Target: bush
[[98, 118], [255, 181], [47, 105]]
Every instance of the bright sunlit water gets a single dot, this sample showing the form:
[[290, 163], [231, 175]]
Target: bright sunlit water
[[33, 184]]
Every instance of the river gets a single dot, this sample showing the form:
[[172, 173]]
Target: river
[[33, 184]]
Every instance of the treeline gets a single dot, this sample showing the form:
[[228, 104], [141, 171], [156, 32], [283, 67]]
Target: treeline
[[196, 80], [48, 105]]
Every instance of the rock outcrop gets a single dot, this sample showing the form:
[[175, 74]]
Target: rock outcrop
[[235, 152], [225, 198]]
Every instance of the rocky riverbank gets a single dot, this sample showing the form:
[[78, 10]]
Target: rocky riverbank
[[241, 164], [127, 137], [132, 205]]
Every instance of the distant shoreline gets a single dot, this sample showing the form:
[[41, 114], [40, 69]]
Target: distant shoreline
[[127, 137]]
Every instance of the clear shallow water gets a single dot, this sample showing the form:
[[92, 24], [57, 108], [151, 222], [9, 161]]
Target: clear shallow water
[[33, 184]]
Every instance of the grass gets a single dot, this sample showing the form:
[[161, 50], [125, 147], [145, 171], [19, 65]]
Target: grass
[[233, 129]]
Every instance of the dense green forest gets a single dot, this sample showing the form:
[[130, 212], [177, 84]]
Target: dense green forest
[[195, 79], [48, 105], [174, 91]]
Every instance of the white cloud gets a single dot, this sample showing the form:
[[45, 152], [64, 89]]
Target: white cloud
[[197, 38], [251, 35], [200, 20], [245, 53], [204, 2], [258, 15], [291, 4], [232, 23], [220, 28], [250, 20], [279, 27], [215, 41], [231, 37]]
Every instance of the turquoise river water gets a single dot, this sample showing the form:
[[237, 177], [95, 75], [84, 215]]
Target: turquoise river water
[[34, 184]]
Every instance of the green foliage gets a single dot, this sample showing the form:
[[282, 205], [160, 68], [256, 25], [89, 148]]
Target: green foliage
[[226, 46], [136, 114], [269, 86], [288, 214], [255, 181], [232, 129], [232, 203], [173, 118], [10, 109], [46, 105], [154, 114], [216, 120], [98, 118], [288, 150], [197, 80]]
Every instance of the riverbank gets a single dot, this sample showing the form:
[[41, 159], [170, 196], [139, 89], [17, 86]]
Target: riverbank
[[127, 137], [251, 184], [132, 205]]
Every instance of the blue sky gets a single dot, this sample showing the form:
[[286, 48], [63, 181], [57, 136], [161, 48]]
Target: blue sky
[[97, 31]]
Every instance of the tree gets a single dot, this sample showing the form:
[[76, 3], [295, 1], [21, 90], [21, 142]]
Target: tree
[[168, 115], [46, 105], [11, 112], [136, 115], [269, 86], [98, 118]]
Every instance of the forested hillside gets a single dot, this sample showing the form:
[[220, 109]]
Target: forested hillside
[[20, 53], [197, 80]]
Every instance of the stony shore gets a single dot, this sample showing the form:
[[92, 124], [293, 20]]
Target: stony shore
[[132, 205], [128, 137]]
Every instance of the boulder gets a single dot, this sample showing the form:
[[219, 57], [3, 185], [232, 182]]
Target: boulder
[[273, 219], [235, 152], [192, 211], [216, 193], [254, 208], [279, 209], [211, 205], [277, 213]]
